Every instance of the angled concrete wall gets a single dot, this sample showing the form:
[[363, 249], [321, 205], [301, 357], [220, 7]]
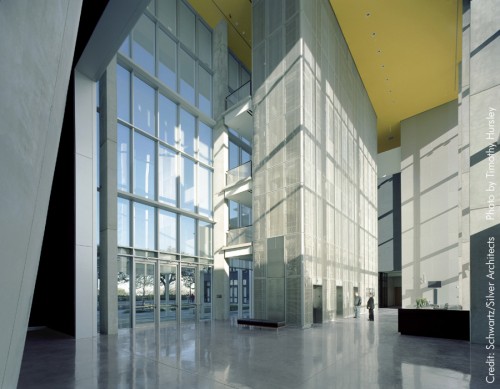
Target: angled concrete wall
[[37, 45]]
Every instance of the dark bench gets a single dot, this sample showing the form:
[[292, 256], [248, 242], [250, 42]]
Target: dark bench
[[261, 323]]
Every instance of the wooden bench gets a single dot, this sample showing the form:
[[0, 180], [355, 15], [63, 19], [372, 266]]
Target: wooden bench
[[261, 323]]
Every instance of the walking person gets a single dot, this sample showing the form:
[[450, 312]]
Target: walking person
[[357, 305], [370, 305]]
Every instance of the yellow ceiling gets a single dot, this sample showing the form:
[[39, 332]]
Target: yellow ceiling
[[406, 51]]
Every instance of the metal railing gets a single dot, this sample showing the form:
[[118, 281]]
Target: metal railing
[[240, 93], [239, 173]]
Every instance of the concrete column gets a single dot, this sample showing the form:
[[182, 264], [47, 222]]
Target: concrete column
[[85, 208], [221, 154], [37, 52], [484, 129], [108, 298]]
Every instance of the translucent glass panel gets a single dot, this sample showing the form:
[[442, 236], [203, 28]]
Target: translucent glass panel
[[167, 176], [144, 166], [123, 158], [123, 222], [144, 226], [234, 73], [204, 44], [167, 226], [187, 235], [187, 132], [167, 117], [143, 44], [123, 93], [205, 153], [167, 14], [187, 26], [144, 106], [167, 65], [186, 76], [204, 191], [187, 188]]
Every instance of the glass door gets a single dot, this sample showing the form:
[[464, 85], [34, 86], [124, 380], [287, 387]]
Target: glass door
[[168, 292], [205, 292], [144, 293], [188, 294]]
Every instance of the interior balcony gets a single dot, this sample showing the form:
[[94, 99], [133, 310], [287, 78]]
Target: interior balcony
[[239, 243], [239, 111], [239, 184]]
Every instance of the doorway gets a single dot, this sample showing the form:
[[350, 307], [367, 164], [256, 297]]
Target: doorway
[[145, 299], [317, 304], [239, 292], [340, 302]]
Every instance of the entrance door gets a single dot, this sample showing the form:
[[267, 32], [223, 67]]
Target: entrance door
[[145, 302], [168, 292], [239, 292], [188, 294]]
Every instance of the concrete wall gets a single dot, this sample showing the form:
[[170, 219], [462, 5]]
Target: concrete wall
[[429, 206], [314, 164], [34, 74]]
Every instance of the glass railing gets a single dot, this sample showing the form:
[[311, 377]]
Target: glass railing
[[239, 236], [243, 91], [239, 173]]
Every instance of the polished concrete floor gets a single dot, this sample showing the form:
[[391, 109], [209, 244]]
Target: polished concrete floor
[[348, 353]]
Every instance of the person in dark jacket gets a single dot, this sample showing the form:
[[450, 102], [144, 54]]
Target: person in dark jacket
[[370, 305]]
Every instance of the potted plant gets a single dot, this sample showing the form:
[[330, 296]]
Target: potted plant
[[422, 302]]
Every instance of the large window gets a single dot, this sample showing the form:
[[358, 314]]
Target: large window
[[164, 144]]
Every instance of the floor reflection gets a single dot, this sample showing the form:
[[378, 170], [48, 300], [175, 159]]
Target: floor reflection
[[348, 353]]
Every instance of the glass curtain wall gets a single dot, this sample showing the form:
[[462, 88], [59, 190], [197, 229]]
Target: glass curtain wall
[[165, 166]]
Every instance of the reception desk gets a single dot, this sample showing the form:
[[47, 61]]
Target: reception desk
[[436, 323]]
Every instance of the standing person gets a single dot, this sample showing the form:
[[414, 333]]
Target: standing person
[[357, 305], [370, 305]]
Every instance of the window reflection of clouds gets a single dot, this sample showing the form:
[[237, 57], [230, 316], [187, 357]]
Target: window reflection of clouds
[[187, 235], [187, 184], [167, 225], [144, 166], [123, 222], [144, 226], [123, 158], [167, 176], [144, 106]]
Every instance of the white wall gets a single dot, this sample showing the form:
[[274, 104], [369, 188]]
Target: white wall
[[429, 205], [37, 45]]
